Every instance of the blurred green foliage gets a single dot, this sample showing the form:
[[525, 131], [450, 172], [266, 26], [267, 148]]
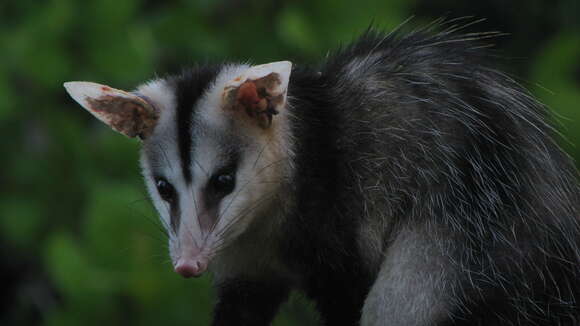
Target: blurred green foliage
[[79, 242]]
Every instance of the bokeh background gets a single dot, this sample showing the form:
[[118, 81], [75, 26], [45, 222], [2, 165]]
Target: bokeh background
[[79, 242]]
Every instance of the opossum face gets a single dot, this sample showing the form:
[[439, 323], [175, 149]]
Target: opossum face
[[215, 150]]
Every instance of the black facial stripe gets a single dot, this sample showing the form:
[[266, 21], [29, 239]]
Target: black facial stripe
[[213, 196], [189, 87], [171, 198], [175, 216]]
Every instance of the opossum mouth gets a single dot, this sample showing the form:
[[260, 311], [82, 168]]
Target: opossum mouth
[[191, 267]]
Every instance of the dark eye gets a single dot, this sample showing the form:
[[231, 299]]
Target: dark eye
[[223, 183], [165, 189]]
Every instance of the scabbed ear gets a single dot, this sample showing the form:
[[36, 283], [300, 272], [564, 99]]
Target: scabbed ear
[[126, 113], [260, 91]]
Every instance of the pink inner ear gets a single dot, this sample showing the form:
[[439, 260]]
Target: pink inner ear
[[127, 113], [130, 117], [260, 98], [248, 97], [248, 94]]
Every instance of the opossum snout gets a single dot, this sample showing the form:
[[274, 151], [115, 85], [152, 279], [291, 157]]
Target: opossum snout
[[191, 267]]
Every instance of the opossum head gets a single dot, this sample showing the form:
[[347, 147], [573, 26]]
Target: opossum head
[[215, 148]]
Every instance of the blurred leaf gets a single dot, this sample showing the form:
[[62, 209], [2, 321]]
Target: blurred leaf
[[556, 69], [295, 29], [73, 271], [20, 221], [107, 222], [7, 95]]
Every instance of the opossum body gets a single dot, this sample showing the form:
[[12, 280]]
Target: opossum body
[[402, 182]]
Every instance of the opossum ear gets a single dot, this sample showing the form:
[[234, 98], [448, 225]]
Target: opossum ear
[[259, 92], [125, 112]]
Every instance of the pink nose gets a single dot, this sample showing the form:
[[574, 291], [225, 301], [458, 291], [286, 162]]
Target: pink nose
[[190, 268]]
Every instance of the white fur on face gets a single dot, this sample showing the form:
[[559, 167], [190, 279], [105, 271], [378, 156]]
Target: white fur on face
[[263, 164], [210, 103], [163, 142], [264, 161]]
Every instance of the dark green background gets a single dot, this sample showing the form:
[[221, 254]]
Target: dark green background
[[79, 242]]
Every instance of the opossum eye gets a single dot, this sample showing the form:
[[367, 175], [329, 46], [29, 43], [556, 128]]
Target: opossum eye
[[223, 184], [165, 189]]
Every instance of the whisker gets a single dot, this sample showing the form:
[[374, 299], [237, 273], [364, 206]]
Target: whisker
[[165, 157], [195, 217], [162, 241], [201, 167], [138, 201], [154, 221], [260, 153], [165, 223], [237, 193], [243, 214]]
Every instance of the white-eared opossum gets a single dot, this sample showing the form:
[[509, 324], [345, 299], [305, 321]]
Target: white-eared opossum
[[401, 182]]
